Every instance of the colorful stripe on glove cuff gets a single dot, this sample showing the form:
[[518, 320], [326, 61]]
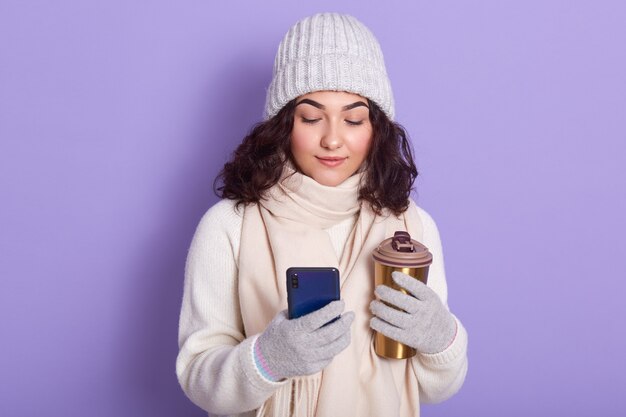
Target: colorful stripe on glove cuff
[[261, 363]]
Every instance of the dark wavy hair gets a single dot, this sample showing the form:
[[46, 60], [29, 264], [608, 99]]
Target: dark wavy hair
[[257, 163]]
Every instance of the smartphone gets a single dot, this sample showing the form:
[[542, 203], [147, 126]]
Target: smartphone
[[309, 289]]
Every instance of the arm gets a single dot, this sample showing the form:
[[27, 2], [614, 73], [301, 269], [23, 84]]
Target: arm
[[440, 375], [215, 364]]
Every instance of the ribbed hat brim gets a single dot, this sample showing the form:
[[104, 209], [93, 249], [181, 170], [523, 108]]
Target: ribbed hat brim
[[329, 51]]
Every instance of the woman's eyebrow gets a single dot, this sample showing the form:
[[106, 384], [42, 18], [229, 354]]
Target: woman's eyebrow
[[312, 103], [353, 105], [322, 107]]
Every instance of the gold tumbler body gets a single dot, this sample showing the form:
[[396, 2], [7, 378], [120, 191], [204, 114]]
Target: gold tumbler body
[[383, 345]]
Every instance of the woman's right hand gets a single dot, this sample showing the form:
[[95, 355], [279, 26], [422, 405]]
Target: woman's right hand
[[303, 346]]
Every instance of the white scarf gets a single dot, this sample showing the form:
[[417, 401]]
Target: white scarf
[[287, 229]]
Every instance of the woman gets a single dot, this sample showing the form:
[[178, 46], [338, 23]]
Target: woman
[[321, 182]]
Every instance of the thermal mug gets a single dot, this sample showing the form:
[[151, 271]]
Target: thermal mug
[[398, 253]]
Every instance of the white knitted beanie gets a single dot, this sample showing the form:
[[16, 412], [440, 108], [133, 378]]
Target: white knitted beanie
[[329, 51]]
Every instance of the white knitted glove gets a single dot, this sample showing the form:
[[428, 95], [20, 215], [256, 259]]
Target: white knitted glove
[[303, 346], [424, 324]]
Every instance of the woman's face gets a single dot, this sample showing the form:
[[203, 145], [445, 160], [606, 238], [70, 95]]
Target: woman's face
[[331, 135]]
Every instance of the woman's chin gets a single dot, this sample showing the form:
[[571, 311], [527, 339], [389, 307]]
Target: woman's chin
[[330, 180]]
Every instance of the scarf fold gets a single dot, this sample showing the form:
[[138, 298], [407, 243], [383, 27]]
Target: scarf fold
[[287, 229], [303, 200]]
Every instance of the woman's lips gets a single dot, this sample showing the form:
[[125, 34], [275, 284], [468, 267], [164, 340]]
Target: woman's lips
[[331, 161]]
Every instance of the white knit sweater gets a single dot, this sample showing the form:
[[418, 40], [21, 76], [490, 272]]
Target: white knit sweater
[[215, 364]]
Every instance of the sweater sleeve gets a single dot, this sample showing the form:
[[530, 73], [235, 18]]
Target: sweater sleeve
[[215, 364], [442, 374]]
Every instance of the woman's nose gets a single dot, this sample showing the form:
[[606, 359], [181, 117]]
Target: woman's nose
[[331, 138]]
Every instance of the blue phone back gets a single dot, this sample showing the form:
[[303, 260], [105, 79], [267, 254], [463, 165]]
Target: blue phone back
[[311, 290]]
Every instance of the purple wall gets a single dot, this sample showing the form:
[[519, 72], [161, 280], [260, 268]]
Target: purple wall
[[115, 117]]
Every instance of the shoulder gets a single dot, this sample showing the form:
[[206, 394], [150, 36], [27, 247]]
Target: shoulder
[[222, 221], [429, 226], [224, 212], [427, 220]]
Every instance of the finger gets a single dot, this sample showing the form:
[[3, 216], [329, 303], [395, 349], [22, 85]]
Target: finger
[[392, 316], [318, 318], [397, 298], [390, 331], [332, 349], [280, 316], [414, 286], [329, 333]]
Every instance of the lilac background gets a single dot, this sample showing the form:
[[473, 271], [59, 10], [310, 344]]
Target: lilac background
[[115, 117]]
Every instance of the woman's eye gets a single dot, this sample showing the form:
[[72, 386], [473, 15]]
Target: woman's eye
[[354, 123], [309, 121]]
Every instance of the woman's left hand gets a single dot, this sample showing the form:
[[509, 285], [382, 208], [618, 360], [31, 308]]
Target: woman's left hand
[[422, 322]]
